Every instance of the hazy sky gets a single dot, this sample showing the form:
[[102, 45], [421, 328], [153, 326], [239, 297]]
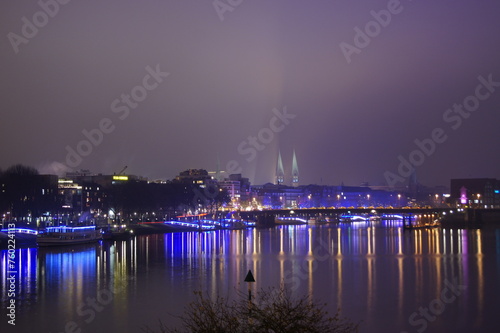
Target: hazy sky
[[349, 110]]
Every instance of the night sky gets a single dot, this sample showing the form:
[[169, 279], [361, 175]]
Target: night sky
[[350, 114]]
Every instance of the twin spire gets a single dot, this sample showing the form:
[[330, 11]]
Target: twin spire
[[295, 171], [280, 172]]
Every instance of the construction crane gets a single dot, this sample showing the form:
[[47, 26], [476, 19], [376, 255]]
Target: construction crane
[[122, 170]]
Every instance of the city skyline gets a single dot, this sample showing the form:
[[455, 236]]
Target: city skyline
[[353, 88], [249, 166], [288, 176]]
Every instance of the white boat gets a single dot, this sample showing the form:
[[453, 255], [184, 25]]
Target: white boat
[[117, 233], [64, 235], [353, 218], [318, 220], [289, 220]]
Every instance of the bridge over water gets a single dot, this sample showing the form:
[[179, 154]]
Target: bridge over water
[[267, 217]]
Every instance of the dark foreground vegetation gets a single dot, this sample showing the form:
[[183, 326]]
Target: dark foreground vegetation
[[270, 311]]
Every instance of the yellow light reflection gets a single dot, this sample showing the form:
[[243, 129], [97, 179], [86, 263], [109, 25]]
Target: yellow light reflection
[[401, 292], [480, 276], [309, 234], [369, 241], [310, 276], [451, 242], [444, 242], [400, 242], [339, 280], [281, 241], [339, 243]]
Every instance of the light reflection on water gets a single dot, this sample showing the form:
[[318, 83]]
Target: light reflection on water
[[376, 273]]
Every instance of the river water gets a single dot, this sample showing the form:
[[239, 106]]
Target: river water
[[386, 278]]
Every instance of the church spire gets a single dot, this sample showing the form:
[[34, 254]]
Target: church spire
[[295, 171], [280, 173]]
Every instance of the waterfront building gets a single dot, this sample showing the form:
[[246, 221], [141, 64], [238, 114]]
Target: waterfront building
[[475, 192], [199, 177], [29, 198], [104, 181], [238, 189], [233, 189]]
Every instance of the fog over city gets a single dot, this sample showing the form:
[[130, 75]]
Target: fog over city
[[163, 86]]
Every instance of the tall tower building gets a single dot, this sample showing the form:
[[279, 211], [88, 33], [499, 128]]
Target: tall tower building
[[413, 184], [217, 173], [280, 173], [295, 171]]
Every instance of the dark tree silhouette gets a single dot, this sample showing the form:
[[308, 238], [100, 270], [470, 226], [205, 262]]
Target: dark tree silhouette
[[272, 310], [20, 170], [19, 192], [27, 194]]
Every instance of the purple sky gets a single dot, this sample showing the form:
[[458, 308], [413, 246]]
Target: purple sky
[[352, 120]]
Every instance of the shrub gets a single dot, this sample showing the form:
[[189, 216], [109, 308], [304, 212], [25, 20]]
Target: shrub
[[272, 310]]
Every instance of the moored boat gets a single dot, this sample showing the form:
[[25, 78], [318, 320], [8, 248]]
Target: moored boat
[[419, 224], [289, 220], [63, 235], [318, 220], [117, 233], [353, 218], [435, 224], [20, 237]]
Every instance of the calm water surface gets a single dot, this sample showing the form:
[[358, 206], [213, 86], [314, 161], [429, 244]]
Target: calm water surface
[[433, 280]]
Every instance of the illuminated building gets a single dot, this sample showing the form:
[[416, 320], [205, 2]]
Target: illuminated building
[[233, 189], [28, 198], [199, 177], [71, 194], [104, 181], [237, 187], [475, 192], [280, 173], [295, 171]]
